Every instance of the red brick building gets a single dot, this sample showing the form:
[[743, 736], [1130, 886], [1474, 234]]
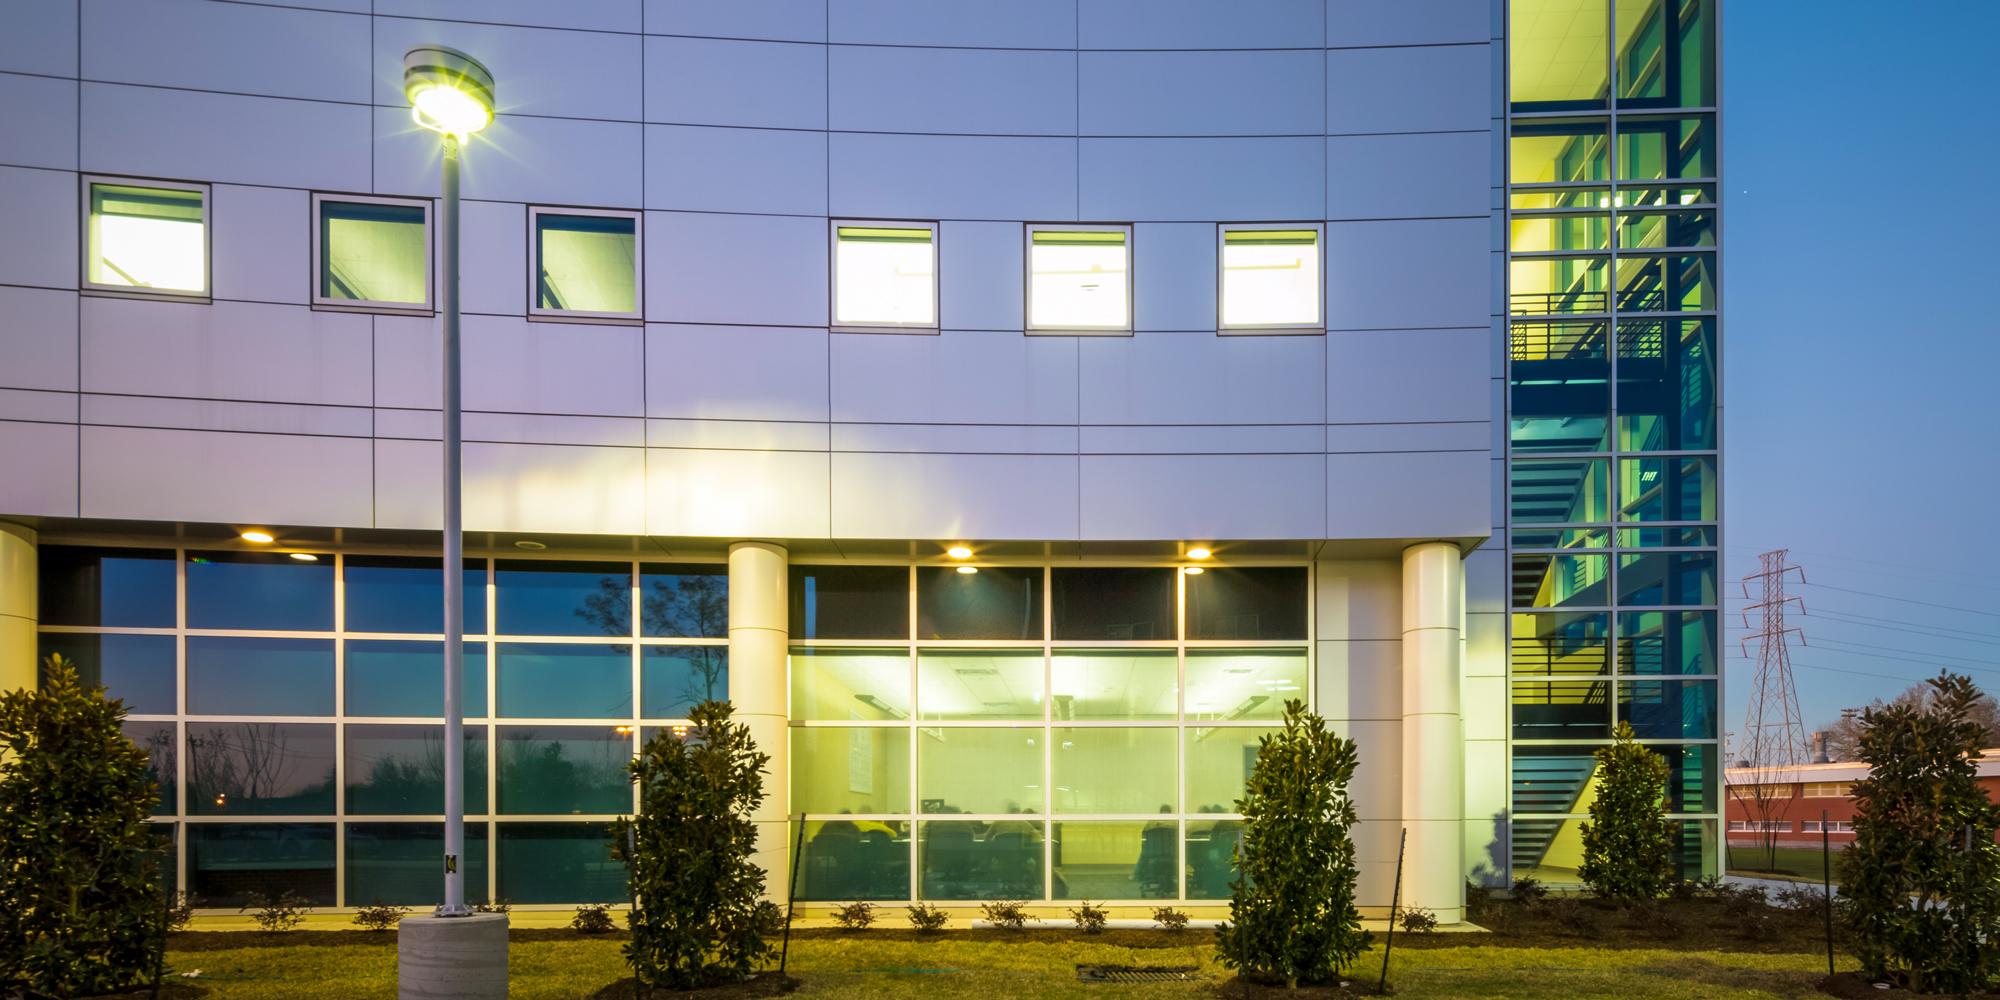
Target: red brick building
[[1799, 796]]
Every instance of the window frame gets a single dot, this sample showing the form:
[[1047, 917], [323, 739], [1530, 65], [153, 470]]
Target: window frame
[[1028, 326], [539, 314], [428, 307], [1222, 231], [833, 228], [86, 239]]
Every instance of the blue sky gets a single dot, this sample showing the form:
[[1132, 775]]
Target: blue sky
[[1861, 352]]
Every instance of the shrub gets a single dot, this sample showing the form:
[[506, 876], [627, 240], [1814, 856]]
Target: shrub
[[1802, 900], [701, 917], [1627, 845], [1571, 915], [496, 906], [1089, 917], [1924, 872], [1170, 919], [1292, 914], [278, 911], [927, 918], [1659, 920], [1008, 915], [593, 918], [1742, 901], [1528, 889], [1478, 895], [379, 917], [855, 916], [1417, 920], [80, 910]]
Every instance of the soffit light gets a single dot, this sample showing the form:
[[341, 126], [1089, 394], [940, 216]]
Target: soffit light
[[450, 92], [305, 557], [1193, 570], [1199, 552], [259, 536], [959, 552], [968, 570], [530, 545]]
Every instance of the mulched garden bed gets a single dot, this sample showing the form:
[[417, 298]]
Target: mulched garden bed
[[1238, 988], [769, 984], [1855, 986]]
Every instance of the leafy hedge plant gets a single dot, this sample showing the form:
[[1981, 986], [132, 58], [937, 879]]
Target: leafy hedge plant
[[1007, 914], [1090, 918], [277, 911], [80, 905], [928, 919], [592, 918], [1923, 874], [854, 916], [1627, 845], [701, 916], [380, 916], [1291, 916]]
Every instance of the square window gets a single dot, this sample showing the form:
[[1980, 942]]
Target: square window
[[1080, 279], [585, 264], [1271, 278], [147, 238], [372, 253], [885, 275]]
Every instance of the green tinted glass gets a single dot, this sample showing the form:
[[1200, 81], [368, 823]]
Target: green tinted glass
[[847, 859], [397, 863], [1113, 770], [559, 863], [588, 263], [371, 252], [851, 769], [550, 770], [399, 770], [979, 770], [1219, 759]]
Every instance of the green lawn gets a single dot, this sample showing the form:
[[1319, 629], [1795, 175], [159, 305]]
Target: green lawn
[[882, 963], [1804, 863]]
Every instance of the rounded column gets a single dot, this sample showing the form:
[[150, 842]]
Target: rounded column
[[758, 639], [1433, 730], [19, 607]]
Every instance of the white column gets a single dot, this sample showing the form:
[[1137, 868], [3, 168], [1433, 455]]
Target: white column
[[758, 634], [1433, 732], [19, 607]]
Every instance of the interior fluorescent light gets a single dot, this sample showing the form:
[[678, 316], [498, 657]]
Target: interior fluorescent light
[[260, 537]]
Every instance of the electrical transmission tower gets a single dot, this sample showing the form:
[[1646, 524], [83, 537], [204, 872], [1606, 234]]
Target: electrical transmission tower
[[1773, 735]]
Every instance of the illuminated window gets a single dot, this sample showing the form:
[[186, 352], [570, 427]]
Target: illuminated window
[[585, 264], [885, 275], [149, 238], [372, 253], [1079, 278], [1270, 278]]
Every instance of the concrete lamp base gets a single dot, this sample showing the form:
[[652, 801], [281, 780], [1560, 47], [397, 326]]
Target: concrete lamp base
[[452, 958]]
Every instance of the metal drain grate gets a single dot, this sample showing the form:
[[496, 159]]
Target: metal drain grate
[[1136, 973]]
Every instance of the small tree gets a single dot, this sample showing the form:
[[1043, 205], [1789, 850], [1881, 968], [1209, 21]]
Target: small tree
[[1291, 916], [80, 910], [1923, 874], [701, 916], [1628, 845]]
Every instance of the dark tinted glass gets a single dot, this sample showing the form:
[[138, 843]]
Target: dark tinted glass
[[1561, 709], [136, 668], [1654, 578], [126, 587], [1265, 603], [998, 602], [399, 770], [1552, 779], [1667, 642], [855, 859], [544, 680], [259, 769], [398, 864], [684, 602], [1211, 857], [396, 594], [958, 863], [228, 863], [406, 678], [243, 675], [1668, 709], [160, 744], [1113, 604], [677, 678], [564, 769], [559, 863], [261, 590], [544, 597], [850, 602]]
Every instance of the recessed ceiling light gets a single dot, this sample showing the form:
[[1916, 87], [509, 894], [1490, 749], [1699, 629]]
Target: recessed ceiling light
[[968, 570], [1199, 552], [1193, 570], [305, 557], [959, 552], [260, 537], [530, 544]]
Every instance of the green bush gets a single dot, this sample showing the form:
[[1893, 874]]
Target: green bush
[[1923, 873], [1628, 850], [854, 916], [278, 911], [1007, 914], [592, 918], [379, 917], [1291, 916], [1090, 918], [701, 916], [927, 918], [1417, 920], [81, 910], [1170, 919]]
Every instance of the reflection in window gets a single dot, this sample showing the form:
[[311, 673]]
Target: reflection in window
[[1666, 385], [586, 263], [136, 669], [147, 238], [850, 602], [1670, 578], [558, 863], [406, 594], [1078, 279], [1673, 283], [1211, 856], [684, 602], [110, 587], [1666, 54], [548, 680], [1559, 490], [373, 252], [1667, 642], [1113, 605], [396, 864], [258, 590], [848, 859], [1116, 860], [1233, 684], [1115, 684], [550, 770], [399, 770], [971, 860], [259, 769], [1219, 759], [1568, 151], [994, 602], [230, 864], [161, 746], [850, 769], [1560, 645], [1562, 386], [677, 678], [1553, 779], [1562, 709], [842, 685], [547, 597], [1666, 148], [1113, 770], [1673, 488], [980, 771], [243, 675], [406, 678], [885, 276], [1270, 278], [1560, 580], [1668, 709], [979, 684], [1262, 603]]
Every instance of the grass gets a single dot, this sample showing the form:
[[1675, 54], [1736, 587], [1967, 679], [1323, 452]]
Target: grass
[[1804, 863], [1530, 958]]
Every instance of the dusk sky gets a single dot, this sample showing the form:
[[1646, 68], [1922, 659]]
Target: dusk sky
[[1861, 409]]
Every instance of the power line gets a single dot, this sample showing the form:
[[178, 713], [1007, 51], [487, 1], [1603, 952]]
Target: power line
[[1844, 619], [1905, 600], [1908, 652]]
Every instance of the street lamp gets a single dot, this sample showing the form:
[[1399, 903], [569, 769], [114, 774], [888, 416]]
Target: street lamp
[[451, 94]]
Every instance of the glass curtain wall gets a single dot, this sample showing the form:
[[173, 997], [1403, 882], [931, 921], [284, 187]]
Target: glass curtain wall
[[1032, 732], [293, 710], [1613, 319]]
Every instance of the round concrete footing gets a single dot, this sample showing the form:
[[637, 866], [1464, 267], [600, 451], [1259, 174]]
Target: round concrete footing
[[452, 958]]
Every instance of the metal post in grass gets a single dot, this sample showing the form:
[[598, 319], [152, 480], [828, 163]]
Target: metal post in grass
[[792, 893], [1395, 901], [1826, 875]]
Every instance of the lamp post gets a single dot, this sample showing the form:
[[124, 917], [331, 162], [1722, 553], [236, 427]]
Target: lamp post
[[451, 94]]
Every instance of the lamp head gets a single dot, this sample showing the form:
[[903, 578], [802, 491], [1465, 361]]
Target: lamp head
[[450, 92]]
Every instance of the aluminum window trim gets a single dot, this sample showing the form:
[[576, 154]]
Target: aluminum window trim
[[324, 303], [540, 314], [833, 228], [1028, 325], [86, 240], [1319, 328]]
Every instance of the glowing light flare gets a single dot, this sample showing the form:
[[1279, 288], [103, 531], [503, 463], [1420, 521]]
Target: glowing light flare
[[449, 111], [968, 570], [959, 552], [1199, 552], [1193, 570], [258, 536], [305, 557]]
